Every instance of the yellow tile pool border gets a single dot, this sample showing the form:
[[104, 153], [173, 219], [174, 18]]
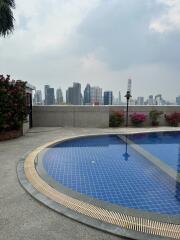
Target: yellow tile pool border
[[127, 222]]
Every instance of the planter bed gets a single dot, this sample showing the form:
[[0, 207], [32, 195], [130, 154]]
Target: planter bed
[[10, 134]]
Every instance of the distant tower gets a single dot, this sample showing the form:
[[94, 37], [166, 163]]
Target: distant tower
[[50, 100], [119, 98], [129, 88], [158, 99], [108, 98], [151, 100], [38, 98], [96, 96], [87, 95], [73, 94], [59, 96], [46, 87]]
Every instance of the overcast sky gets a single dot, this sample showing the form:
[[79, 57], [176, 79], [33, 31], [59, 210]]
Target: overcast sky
[[101, 42]]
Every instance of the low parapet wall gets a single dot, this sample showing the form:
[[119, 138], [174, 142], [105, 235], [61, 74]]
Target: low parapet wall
[[88, 116], [70, 116]]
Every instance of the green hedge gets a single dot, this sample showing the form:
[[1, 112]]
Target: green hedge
[[13, 109]]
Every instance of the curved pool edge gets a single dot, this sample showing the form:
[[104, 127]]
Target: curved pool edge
[[110, 221]]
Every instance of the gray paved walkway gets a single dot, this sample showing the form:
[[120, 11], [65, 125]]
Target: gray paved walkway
[[22, 217]]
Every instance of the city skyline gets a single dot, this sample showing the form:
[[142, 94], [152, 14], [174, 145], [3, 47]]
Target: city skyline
[[100, 42], [95, 95], [129, 85]]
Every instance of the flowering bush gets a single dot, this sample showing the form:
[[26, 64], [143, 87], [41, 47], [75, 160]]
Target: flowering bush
[[116, 119], [12, 103], [173, 119], [154, 115], [138, 119]]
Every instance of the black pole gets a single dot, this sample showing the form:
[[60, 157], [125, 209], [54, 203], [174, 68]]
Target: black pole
[[127, 112], [128, 96], [30, 111]]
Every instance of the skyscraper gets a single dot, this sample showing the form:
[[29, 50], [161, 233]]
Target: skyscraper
[[150, 100], [69, 95], [119, 98], [108, 97], [178, 100], [158, 99], [129, 88], [50, 99], [38, 98], [73, 94], [46, 87], [59, 96], [96, 95], [87, 95], [77, 93], [140, 101]]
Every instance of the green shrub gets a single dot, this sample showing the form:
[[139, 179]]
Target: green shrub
[[116, 119], [173, 119], [154, 115], [13, 109]]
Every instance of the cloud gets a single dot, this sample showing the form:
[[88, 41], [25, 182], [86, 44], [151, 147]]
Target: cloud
[[46, 25], [169, 20], [118, 33], [102, 42]]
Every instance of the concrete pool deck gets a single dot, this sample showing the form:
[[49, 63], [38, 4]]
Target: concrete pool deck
[[22, 217]]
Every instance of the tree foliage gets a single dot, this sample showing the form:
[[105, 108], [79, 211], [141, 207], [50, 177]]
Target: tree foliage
[[6, 17], [13, 110]]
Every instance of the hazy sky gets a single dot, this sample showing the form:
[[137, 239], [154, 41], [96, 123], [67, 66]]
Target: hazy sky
[[101, 42]]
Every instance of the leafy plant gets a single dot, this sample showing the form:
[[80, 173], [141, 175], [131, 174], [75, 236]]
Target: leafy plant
[[173, 119], [6, 17], [13, 109], [116, 119], [138, 119], [154, 115]]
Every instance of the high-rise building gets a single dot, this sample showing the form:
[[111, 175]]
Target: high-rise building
[[150, 100], [87, 95], [73, 94], [129, 88], [119, 98], [96, 95], [50, 99], [178, 100], [108, 97], [158, 99], [77, 93], [46, 87], [38, 98], [69, 95], [140, 101], [132, 102], [59, 96]]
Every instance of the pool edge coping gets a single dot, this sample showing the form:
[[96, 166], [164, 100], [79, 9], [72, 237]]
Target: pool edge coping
[[28, 186]]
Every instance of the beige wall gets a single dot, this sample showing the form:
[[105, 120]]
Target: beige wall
[[87, 116], [73, 116]]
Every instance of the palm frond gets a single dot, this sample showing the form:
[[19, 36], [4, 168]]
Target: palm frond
[[6, 17]]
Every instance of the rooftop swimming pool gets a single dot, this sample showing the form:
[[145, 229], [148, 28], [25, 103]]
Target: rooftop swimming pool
[[128, 185], [110, 169], [165, 146]]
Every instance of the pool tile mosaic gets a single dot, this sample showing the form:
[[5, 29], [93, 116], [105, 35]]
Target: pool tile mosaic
[[107, 169], [165, 146]]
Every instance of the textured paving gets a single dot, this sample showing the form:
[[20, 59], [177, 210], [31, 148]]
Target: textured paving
[[21, 217]]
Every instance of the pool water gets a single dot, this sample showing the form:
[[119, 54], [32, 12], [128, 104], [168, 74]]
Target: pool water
[[108, 169], [165, 146]]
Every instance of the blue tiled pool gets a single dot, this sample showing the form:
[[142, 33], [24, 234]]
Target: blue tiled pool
[[165, 146], [106, 168]]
